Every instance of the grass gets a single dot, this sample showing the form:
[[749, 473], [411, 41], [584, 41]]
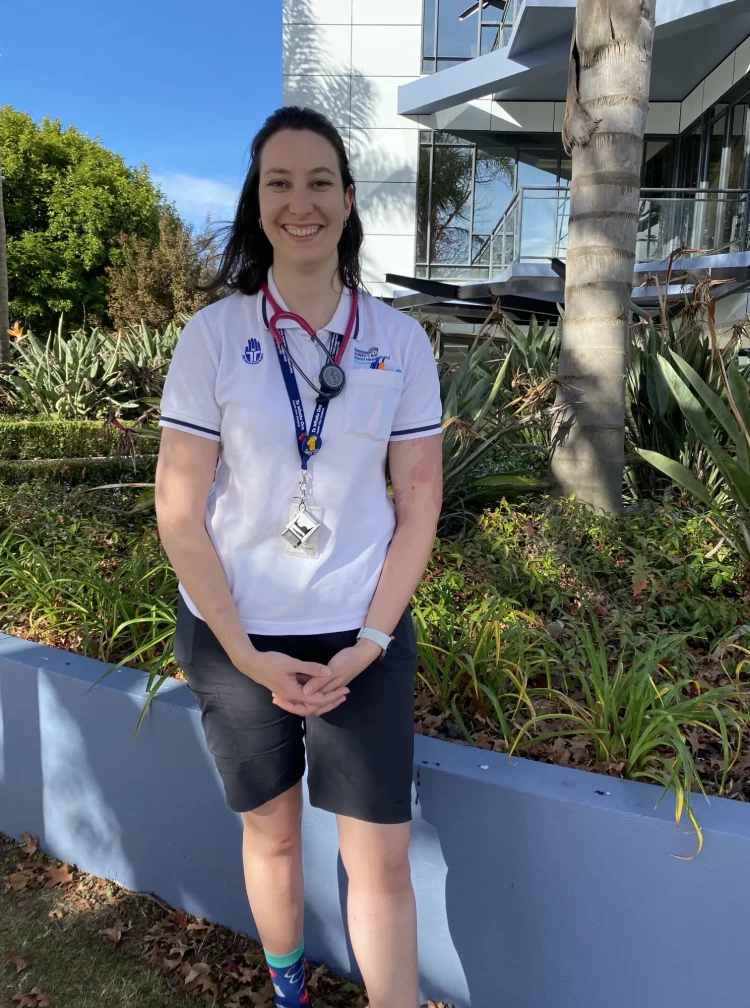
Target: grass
[[89, 943]]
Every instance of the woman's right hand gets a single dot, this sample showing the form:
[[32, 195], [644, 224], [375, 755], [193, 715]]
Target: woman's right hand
[[285, 677]]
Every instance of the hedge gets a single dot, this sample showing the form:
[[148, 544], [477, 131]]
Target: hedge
[[78, 470], [56, 439]]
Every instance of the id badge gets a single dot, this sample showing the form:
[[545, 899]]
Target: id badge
[[302, 533]]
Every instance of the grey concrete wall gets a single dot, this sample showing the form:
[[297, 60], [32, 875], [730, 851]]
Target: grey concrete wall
[[538, 886]]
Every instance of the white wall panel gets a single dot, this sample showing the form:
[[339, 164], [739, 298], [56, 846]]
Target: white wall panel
[[387, 208], [532, 117], [691, 107], [741, 60], [329, 95], [663, 117], [382, 51], [718, 82], [387, 12], [317, 12], [384, 155], [374, 102], [317, 49], [387, 254]]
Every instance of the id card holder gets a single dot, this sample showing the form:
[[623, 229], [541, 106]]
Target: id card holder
[[302, 533]]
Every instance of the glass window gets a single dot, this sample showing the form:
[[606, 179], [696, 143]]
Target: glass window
[[658, 161], [423, 202], [691, 159], [493, 187], [715, 152], [428, 28], [451, 204], [737, 143], [538, 167], [490, 38], [456, 38], [480, 249]]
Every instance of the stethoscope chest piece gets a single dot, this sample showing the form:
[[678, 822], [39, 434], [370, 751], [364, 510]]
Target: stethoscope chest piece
[[332, 380]]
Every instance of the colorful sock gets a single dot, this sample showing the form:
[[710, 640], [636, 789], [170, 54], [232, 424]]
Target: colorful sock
[[288, 975]]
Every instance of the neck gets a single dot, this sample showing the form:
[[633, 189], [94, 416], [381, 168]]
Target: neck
[[313, 293]]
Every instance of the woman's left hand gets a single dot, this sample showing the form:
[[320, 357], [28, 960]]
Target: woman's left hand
[[345, 666]]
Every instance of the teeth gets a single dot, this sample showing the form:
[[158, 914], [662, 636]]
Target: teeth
[[302, 232]]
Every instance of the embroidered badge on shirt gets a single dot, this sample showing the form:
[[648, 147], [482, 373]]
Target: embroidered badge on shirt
[[253, 353], [369, 359]]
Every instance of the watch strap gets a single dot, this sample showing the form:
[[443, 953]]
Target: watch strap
[[377, 636]]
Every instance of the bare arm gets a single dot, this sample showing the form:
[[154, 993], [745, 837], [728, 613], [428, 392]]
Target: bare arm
[[184, 475], [417, 477]]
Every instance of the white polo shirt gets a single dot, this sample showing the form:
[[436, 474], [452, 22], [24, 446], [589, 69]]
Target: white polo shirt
[[225, 383]]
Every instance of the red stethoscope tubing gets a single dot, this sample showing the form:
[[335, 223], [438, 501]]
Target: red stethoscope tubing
[[280, 315]]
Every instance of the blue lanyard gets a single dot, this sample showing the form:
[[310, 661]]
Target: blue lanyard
[[309, 442]]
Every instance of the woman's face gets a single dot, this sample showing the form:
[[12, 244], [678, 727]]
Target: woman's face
[[303, 203]]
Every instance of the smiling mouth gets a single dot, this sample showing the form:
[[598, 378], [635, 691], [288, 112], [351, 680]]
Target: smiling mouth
[[299, 231]]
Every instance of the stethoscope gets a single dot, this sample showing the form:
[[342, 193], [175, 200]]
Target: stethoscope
[[332, 377]]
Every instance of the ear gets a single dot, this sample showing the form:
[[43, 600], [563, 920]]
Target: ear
[[348, 200]]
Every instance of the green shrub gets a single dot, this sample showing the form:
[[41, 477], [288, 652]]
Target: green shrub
[[56, 439], [73, 471]]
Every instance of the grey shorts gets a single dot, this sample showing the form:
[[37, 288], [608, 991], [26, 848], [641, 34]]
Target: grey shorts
[[359, 756]]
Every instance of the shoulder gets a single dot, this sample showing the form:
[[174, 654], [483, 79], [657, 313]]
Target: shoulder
[[222, 315], [400, 328]]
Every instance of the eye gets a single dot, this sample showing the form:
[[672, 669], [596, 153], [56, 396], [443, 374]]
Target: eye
[[276, 184], [322, 183]]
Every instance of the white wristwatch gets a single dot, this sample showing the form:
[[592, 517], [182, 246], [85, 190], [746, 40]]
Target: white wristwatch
[[378, 637]]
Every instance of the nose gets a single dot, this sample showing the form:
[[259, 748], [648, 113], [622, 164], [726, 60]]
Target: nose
[[300, 203]]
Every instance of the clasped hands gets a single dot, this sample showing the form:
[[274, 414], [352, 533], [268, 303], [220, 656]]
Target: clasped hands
[[308, 688]]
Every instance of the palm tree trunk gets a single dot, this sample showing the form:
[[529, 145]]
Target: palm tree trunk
[[605, 117], [4, 296]]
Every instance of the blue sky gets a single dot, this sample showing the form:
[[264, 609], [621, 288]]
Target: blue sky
[[181, 86]]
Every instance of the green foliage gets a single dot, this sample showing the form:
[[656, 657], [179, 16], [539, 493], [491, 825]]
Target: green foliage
[[55, 439], [714, 417], [157, 283], [67, 200], [628, 701], [88, 374], [72, 471], [655, 420], [490, 398]]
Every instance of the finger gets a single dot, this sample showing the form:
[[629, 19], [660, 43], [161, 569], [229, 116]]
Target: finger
[[291, 707], [314, 670], [322, 686], [328, 708]]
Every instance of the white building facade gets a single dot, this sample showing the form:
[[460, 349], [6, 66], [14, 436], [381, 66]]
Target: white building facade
[[468, 184]]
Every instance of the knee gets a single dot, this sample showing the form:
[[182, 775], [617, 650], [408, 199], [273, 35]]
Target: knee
[[387, 873], [274, 843]]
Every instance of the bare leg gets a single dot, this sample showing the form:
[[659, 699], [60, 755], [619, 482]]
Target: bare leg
[[271, 854], [381, 911]]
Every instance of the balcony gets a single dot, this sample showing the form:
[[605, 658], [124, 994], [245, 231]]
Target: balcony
[[535, 225]]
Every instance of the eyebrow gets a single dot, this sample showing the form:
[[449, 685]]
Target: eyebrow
[[285, 171]]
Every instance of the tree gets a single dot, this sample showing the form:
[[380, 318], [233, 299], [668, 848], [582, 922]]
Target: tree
[[605, 117], [67, 200], [158, 283], [4, 313]]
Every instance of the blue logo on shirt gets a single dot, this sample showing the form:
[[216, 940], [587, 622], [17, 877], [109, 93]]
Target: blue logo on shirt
[[253, 353]]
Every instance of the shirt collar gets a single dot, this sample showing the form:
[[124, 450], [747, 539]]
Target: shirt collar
[[340, 317]]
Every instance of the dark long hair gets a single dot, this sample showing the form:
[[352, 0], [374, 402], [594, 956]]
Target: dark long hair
[[248, 253]]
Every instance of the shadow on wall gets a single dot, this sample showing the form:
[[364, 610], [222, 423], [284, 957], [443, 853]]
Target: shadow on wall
[[315, 79], [61, 782]]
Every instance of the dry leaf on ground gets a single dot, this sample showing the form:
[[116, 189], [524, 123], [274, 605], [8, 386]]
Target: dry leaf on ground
[[17, 961], [58, 876], [55, 913], [34, 999], [19, 880], [30, 843], [114, 934]]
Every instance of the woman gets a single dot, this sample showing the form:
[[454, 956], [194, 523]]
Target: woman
[[282, 405]]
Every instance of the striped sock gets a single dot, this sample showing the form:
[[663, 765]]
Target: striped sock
[[288, 975]]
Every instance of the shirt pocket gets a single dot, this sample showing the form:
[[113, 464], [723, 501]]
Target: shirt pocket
[[370, 400]]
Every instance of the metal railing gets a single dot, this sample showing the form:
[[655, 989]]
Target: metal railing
[[535, 224]]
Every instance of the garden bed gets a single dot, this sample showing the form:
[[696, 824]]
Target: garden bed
[[504, 618], [517, 864]]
